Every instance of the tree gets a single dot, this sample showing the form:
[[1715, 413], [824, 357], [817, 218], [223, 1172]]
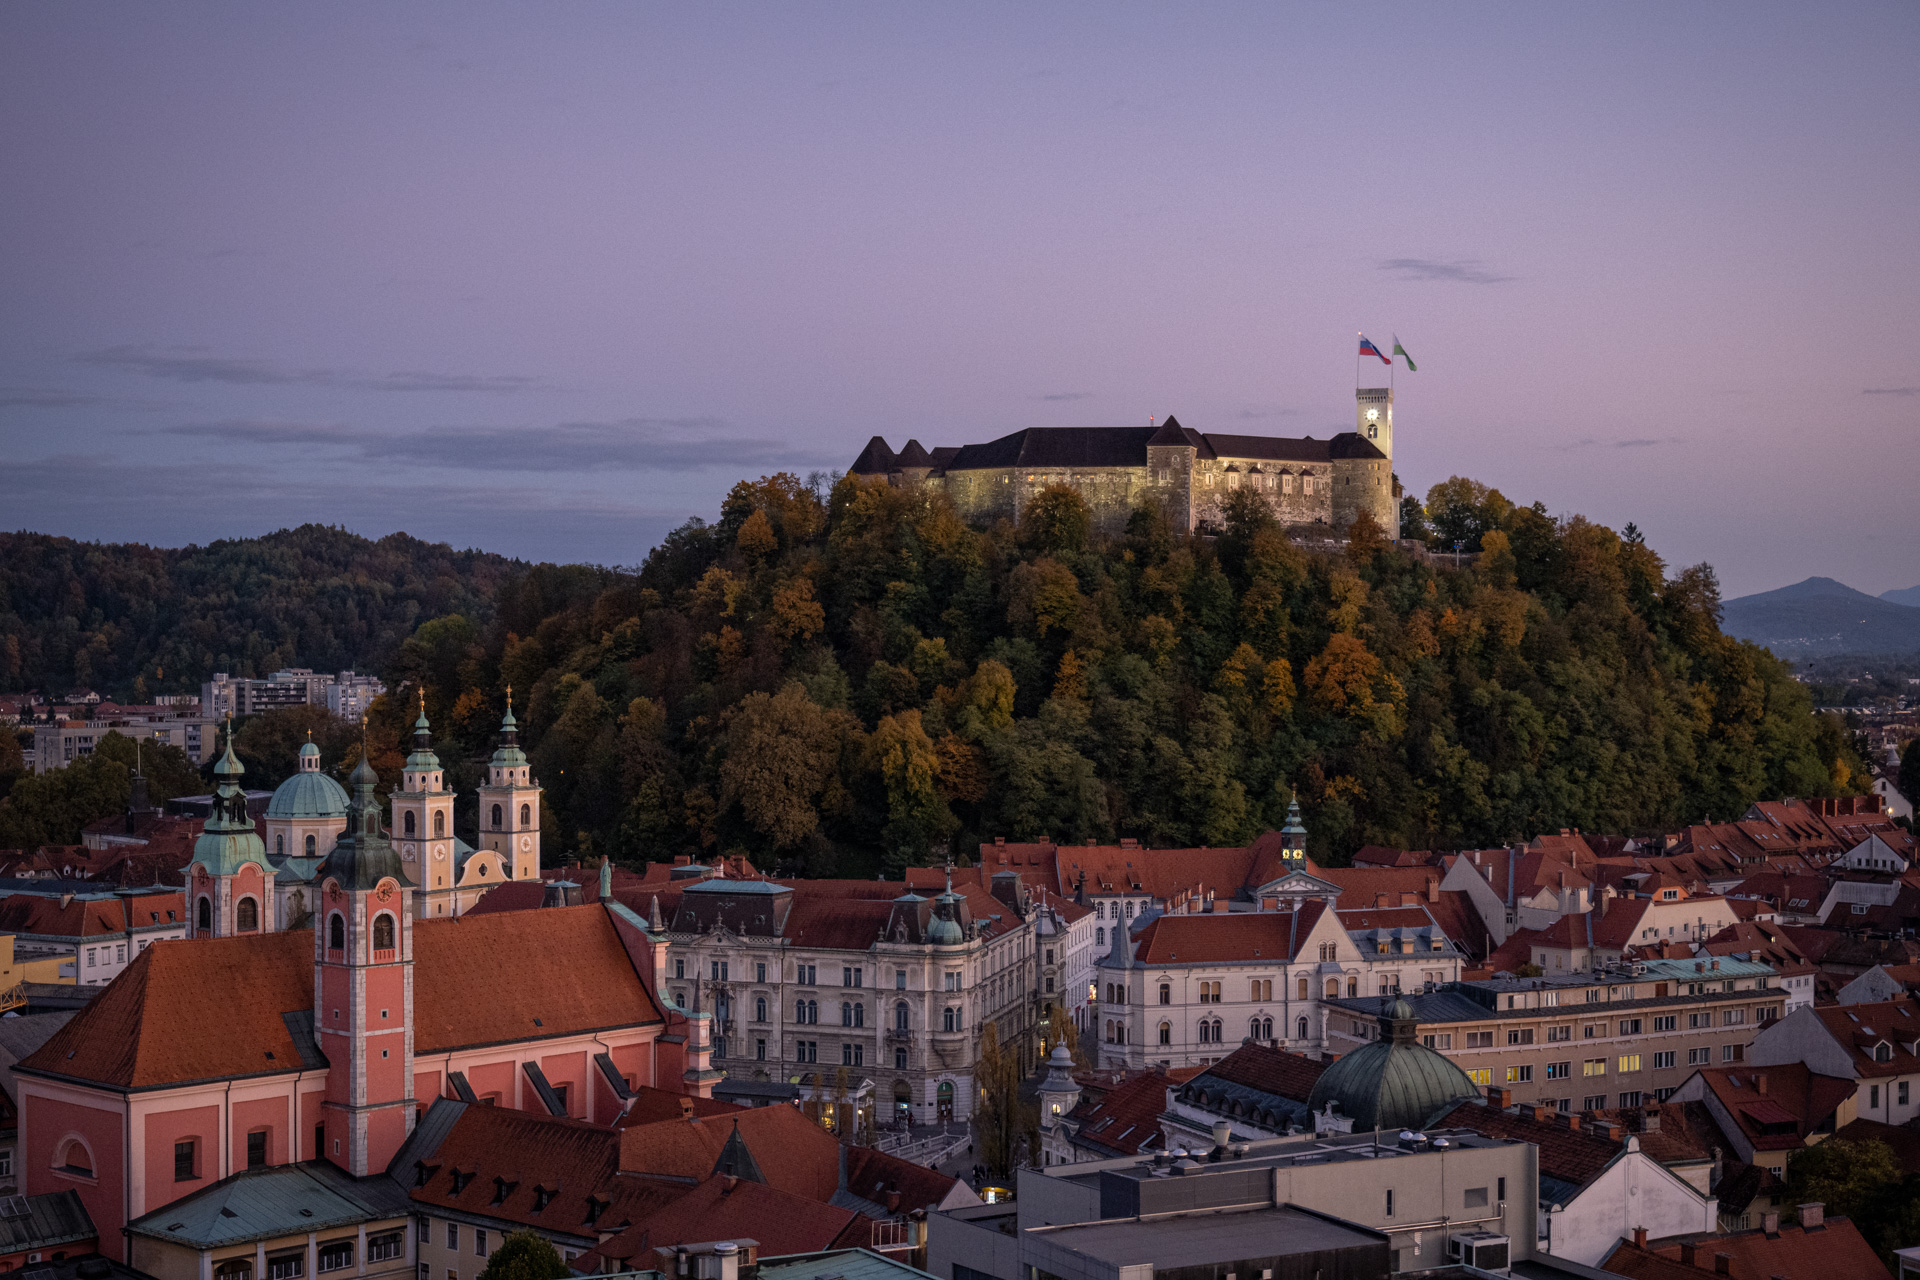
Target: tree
[[905, 758], [1861, 1181], [1056, 521], [781, 753], [1061, 1030], [524, 1255], [1908, 781], [1001, 1122]]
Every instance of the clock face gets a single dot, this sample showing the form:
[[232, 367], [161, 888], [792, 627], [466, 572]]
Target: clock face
[[1373, 415]]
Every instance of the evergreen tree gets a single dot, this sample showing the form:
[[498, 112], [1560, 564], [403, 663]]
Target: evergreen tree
[[525, 1255]]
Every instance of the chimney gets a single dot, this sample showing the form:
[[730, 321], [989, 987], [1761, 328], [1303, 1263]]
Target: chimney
[[1723, 1264], [1813, 1217], [1760, 1083], [1770, 1223], [729, 1255], [1543, 1114], [1379, 899], [1650, 1120], [1689, 1253], [1639, 1237], [1433, 888], [686, 1108], [893, 1201], [1572, 1121], [1498, 1097]]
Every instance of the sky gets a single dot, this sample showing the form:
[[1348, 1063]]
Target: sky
[[548, 279]]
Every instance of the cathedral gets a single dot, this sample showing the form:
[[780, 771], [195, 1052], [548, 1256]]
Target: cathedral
[[241, 880], [1187, 474]]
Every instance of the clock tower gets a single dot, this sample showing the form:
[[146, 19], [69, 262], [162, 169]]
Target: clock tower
[[1373, 417], [510, 804]]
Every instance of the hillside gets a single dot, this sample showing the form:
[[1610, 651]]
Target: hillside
[[1905, 595], [132, 621], [1821, 617], [841, 681]]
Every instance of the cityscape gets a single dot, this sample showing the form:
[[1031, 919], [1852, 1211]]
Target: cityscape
[[738, 644]]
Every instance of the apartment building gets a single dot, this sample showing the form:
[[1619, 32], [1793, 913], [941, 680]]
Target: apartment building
[[60, 743], [345, 694], [808, 977], [1875, 1045], [1590, 1041]]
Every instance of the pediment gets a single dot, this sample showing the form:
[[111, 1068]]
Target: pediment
[[1299, 884]]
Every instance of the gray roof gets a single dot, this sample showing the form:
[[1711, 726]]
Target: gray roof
[[43, 1221], [847, 1264], [260, 1204], [21, 1036], [1200, 1239], [1393, 1082]]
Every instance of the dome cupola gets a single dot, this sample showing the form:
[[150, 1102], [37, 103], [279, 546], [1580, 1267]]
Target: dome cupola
[[1394, 1082]]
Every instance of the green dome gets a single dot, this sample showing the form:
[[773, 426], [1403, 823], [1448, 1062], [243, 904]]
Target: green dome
[[308, 795], [228, 839], [1394, 1082]]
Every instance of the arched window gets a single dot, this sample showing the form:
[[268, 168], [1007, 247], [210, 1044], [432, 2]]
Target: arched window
[[439, 822], [496, 817], [799, 1010], [1333, 988], [1300, 1028], [1166, 1033], [1266, 1028], [813, 1011], [383, 932], [1353, 988], [1166, 993], [1303, 988], [280, 846], [1099, 937], [310, 846], [900, 1016], [75, 1158], [203, 915], [526, 815], [246, 915], [859, 1014], [1217, 1039], [406, 822], [337, 932], [846, 1013]]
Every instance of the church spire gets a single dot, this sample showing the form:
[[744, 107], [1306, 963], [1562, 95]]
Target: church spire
[[1293, 836]]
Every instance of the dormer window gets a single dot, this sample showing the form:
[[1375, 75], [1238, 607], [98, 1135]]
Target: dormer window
[[543, 1196], [1883, 1052]]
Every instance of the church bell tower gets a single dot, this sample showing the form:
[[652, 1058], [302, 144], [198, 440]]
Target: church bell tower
[[510, 804], [423, 811]]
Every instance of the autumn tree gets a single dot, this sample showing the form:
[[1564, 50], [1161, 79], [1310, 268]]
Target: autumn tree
[[525, 1255], [1003, 1126], [781, 754]]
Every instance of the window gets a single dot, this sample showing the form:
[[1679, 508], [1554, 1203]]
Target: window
[[1438, 1040], [383, 932], [717, 970], [1475, 1198], [1209, 993], [1697, 1020], [1630, 1098], [1699, 1057], [1733, 1053], [1483, 1077], [1479, 1039], [950, 1019], [1520, 1075], [1166, 993], [526, 815], [1629, 1062], [257, 1149], [386, 1246], [183, 1161], [1262, 990], [1501, 1192], [1389, 1202], [1166, 1033], [1594, 1067], [953, 981], [496, 817], [899, 1059], [310, 846], [406, 823], [1734, 1017], [337, 932], [560, 1096], [899, 979], [1629, 1026], [1563, 1032], [853, 977], [1873, 1096], [1303, 989], [1901, 1089], [480, 1241], [1520, 1035], [853, 1055], [1665, 1023], [806, 975], [335, 1255], [680, 969], [1559, 1070], [453, 1235], [1661, 1061], [759, 1008], [287, 1266], [760, 1049], [205, 914], [1594, 1102], [439, 822]]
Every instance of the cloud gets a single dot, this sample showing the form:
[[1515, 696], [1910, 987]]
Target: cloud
[[1891, 391], [1639, 443], [1458, 271], [42, 398], [1067, 395], [192, 364], [1267, 411], [1635, 442], [631, 444]]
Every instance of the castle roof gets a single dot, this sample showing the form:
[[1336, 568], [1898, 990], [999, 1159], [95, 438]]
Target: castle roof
[[912, 456], [1058, 447], [874, 460]]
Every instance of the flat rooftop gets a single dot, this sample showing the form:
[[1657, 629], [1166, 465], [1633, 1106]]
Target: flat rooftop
[[1196, 1239], [1274, 1153]]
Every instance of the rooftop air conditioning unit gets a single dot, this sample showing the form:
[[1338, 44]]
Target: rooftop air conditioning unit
[[1482, 1249]]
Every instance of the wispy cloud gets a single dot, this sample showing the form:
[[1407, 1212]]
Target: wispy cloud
[[1633, 442], [196, 364], [1067, 395], [631, 444], [1457, 271], [1891, 391], [42, 398], [1266, 411]]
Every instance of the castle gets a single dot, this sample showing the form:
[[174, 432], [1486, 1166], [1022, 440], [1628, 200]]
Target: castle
[[1187, 474]]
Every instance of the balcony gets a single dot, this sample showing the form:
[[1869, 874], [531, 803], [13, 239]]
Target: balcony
[[898, 1035]]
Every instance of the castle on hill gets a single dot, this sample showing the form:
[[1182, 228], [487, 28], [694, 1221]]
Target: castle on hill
[[1188, 474]]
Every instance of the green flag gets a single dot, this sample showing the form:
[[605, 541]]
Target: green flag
[[1402, 351]]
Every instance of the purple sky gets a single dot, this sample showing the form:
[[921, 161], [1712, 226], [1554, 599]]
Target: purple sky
[[548, 279]]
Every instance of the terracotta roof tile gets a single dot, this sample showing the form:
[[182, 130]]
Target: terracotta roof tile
[[723, 1208], [1127, 1119], [1270, 1070], [541, 1171], [796, 1155], [1571, 1155], [1224, 938], [1791, 1093], [1834, 1249], [873, 1175], [1859, 1028]]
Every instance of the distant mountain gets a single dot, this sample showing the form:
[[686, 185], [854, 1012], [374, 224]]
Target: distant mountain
[[1906, 596], [1820, 617]]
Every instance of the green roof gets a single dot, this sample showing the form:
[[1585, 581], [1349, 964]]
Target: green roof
[[1394, 1082], [844, 1264], [308, 794], [261, 1204]]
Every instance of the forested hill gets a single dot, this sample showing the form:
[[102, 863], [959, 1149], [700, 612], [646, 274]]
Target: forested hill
[[839, 681], [132, 621]]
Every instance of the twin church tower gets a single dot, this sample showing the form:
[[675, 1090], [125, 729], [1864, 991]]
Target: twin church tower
[[243, 880]]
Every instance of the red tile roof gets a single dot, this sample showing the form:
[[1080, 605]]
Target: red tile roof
[[794, 1154], [147, 1028], [1127, 1118], [723, 1207], [875, 1176], [1225, 938], [1904, 1141], [1270, 1070], [1859, 1028], [1570, 1154], [1832, 1250], [24, 913], [1791, 1092]]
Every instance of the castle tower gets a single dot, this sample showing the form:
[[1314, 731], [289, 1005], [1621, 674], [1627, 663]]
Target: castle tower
[[423, 811], [510, 804], [229, 881], [1363, 464], [1373, 417], [363, 989]]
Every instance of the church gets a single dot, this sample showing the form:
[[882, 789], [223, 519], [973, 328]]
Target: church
[[1189, 475], [248, 1045], [308, 813]]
